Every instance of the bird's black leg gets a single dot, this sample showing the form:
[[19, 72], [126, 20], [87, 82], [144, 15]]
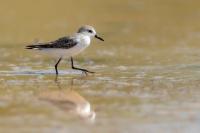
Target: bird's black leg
[[56, 65], [83, 70]]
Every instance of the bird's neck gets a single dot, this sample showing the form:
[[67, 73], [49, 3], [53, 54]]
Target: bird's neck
[[85, 39]]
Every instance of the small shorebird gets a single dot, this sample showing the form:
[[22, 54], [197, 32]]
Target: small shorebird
[[69, 46]]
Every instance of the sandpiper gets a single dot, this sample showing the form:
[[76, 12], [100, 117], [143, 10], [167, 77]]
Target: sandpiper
[[67, 47]]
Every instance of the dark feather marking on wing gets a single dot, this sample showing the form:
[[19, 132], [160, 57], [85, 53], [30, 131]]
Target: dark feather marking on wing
[[64, 42]]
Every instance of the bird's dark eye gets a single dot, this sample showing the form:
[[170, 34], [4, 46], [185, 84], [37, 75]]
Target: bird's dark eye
[[90, 31]]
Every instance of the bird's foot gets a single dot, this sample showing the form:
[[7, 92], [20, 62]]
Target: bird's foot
[[86, 72]]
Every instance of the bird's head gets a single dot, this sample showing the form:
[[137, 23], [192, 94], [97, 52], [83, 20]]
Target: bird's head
[[89, 31]]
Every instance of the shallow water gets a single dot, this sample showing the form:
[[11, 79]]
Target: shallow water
[[147, 70]]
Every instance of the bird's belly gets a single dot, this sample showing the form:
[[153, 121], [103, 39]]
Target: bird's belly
[[59, 52]]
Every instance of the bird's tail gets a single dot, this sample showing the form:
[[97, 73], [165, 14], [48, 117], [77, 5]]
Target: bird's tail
[[33, 47]]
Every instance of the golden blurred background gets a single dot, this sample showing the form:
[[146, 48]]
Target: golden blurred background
[[140, 23]]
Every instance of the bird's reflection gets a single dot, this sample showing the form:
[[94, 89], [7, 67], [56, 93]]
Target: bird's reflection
[[69, 100]]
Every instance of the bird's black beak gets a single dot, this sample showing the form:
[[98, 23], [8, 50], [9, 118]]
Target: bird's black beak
[[98, 38]]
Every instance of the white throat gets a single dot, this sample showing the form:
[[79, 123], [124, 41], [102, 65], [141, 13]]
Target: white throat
[[84, 39]]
